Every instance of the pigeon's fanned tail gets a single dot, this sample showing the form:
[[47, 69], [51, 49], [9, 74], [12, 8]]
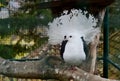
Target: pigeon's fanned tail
[[74, 21]]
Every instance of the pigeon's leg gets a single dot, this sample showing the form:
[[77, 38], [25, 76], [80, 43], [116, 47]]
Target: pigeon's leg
[[73, 68]]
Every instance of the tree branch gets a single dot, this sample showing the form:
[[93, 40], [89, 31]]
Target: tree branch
[[49, 67], [90, 63]]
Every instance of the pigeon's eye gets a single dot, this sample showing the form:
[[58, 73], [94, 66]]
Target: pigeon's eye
[[70, 36], [65, 37]]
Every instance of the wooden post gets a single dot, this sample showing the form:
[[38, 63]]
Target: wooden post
[[90, 63]]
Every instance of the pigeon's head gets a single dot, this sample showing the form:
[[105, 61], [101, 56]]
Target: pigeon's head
[[72, 37]]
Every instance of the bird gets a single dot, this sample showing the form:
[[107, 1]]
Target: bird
[[73, 49], [74, 32]]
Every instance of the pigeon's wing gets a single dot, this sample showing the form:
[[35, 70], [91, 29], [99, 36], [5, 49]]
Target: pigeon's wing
[[85, 46], [63, 48]]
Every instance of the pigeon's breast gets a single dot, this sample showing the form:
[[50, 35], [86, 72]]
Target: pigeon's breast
[[74, 53]]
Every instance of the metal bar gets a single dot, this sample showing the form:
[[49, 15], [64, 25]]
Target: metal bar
[[114, 64], [106, 45], [111, 62]]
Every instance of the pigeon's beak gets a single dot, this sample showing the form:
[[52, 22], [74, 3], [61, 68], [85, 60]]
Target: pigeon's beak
[[66, 40]]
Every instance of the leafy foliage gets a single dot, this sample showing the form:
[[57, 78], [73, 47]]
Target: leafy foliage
[[11, 51], [6, 51], [115, 15], [12, 25]]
